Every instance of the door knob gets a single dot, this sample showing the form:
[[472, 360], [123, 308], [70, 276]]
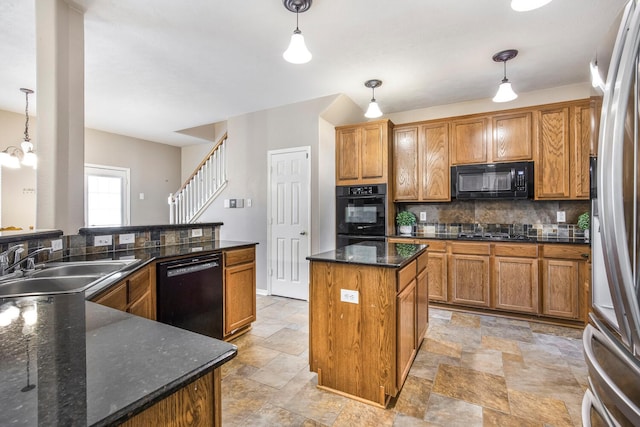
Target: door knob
[[303, 233]]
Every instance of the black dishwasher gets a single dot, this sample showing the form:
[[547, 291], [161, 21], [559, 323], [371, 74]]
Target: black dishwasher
[[190, 294]]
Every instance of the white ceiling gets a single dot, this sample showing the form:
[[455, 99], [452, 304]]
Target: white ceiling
[[154, 67]]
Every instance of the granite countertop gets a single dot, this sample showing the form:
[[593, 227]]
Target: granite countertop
[[448, 236], [10, 236], [81, 361], [372, 253]]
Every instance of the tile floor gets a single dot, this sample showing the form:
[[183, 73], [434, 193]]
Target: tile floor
[[471, 370]]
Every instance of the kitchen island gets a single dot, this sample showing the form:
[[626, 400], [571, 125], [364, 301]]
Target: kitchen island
[[67, 361], [368, 314]]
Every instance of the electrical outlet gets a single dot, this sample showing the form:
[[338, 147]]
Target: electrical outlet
[[349, 296], [127, 238], [561, 216], [196, 232], [56, 245], [423, 216], [248, 203], [102, 240]]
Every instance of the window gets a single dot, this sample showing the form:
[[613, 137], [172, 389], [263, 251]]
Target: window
[[106, 196]]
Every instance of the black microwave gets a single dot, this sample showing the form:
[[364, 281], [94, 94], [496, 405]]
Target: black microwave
[[492, 181]]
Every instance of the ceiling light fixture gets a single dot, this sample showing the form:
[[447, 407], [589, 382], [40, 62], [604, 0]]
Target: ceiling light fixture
[[505, 92], [297, 52], [12, 156], [374, 110], [527, 5]]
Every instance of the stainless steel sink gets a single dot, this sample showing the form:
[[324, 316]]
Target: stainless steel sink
[[87, 268], [65, 277], [47, 285]]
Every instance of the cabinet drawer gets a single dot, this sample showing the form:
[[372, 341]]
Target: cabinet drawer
[[566, 252], [516, 250], [422, 261], [138, 285], [115, 298], [239, 256], [434, 245], [470, 248], [406, 275]]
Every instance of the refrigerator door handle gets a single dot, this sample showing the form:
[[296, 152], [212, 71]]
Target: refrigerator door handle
[[589, 401], [598, 375]]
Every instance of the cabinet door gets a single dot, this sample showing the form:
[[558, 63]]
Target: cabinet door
[[437, 276], [560, 288], [552, 169], [239, 296], [422, 306], [469, 141], [373, 153], [405, 163], [434, 163], [580, 145], [347, 154], [116, 297], [515, 284], [512, 138], [469, 279], [143, 307], [406, 331]]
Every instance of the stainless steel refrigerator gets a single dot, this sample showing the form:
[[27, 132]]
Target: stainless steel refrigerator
[[612, 339]]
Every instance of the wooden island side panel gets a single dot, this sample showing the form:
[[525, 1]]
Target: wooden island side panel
[[352, 346]]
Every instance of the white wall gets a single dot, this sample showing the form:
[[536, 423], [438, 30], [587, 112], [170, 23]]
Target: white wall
[[155, 171], [192, 155]]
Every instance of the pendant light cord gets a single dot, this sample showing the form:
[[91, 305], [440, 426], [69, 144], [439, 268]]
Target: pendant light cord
[[297, 12], [26, 123]]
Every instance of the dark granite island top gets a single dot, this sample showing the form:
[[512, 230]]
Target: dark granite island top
[[373, 253], [79, 363]]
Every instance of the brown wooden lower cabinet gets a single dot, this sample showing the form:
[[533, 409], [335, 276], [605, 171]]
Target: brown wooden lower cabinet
[[239, 291], [549, 281], [197, 404], [364, 350], [135, 294]]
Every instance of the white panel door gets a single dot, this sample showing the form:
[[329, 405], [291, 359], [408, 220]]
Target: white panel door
[[289, 219]]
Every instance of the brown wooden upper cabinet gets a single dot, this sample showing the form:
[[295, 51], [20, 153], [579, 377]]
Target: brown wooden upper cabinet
[[469, 142], [564, 142], [512, 137], [362, 153], [421, 163]]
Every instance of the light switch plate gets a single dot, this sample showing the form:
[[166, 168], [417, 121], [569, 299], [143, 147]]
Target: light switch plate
[[56, 245], [347, 295], [196, 232], [127, 238], [102, 240], [561, 216]]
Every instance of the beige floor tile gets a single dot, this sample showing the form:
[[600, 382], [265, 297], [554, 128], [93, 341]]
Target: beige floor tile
[[256, 355], [360, 414], [426, 364], [548, 410], [445, 411], [442, 347], [319, 405], [288, 341], [483, 360], [280, 371], [270, 415], [403, 420], [491, 418], [413, 397], [472, 386], [465, 320], [501, 344]]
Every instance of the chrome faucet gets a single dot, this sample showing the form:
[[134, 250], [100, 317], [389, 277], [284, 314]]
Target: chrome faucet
[[30, 258], [4, 257]]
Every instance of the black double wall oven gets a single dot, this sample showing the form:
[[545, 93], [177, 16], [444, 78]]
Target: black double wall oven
[[361, 213]]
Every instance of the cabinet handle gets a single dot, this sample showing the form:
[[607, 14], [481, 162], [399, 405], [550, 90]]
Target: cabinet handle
[[585, 256]]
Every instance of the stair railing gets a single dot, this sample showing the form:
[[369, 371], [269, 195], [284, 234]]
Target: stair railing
[[201, 188]]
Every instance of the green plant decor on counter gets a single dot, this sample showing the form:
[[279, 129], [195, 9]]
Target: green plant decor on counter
[[584, 221], [406, 249], [405, 218]]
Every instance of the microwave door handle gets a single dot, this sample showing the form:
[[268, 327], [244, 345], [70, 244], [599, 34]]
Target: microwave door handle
[[513, 179]]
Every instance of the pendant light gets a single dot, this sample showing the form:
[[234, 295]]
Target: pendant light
[[297, 52], [12, 156], [374, 110], [527, 5], [505, 92]]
